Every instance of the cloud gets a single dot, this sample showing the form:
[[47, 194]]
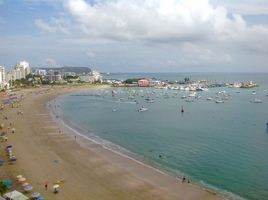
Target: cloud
[[51, 61], [90, 54], [159, 33], [168, 21], [245, 7], [55, 25]]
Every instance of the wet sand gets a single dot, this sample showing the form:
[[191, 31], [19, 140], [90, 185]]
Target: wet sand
[[49, 153]]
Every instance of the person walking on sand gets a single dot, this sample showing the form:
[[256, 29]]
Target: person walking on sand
[[46, 186]]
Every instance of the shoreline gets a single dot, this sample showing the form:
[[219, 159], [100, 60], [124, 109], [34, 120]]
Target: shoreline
[[131, 178]]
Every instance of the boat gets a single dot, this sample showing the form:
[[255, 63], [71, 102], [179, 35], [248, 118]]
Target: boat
[[183, 97], [256, 101], [192, 94], [114, 110], [209, 98], [143, 109], [219, 101], [189, 100], [248, 85]]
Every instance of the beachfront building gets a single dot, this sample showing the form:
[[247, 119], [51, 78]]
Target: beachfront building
[[20, 71], [53, 76], [91, 77], [143, 83], [40, 72], [2, 77]]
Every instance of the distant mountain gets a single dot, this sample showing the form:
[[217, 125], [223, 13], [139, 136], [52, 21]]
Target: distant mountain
[[77, 70]]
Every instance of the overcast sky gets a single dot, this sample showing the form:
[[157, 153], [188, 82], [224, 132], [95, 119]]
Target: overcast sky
[[136, 35]]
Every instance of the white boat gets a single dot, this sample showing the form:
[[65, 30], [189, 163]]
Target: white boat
[[143, 109], [183, 97], [192, 94], [219, 101], [209, 98], [256, 101], [114, 110]]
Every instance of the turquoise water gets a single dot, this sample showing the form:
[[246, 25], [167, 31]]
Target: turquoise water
[[221, 146]]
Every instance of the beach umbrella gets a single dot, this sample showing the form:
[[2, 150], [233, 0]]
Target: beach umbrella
[[9, 146], [13, 159], [28, 188], [22, 179], [25, 184], [7, 183], [35, 195], [40, 198], [19, 176], [56, 186]]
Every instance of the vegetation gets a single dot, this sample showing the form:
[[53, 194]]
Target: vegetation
[[3, 188], [186, 79], [132, 80]]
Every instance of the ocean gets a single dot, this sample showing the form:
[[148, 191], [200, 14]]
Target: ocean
[[221, 146]]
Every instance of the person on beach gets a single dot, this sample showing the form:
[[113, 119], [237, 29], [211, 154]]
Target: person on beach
[[183, 179], [46, 186]]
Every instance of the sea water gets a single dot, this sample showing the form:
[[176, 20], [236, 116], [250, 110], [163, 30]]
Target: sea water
[[220, 146]]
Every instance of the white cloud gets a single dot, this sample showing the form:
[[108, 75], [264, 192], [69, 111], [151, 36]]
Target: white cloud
[[55, 25], [168, 21], [51, 61], [245, 7], [175, 32], [90, 54]]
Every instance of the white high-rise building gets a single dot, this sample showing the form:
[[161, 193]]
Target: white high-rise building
[[2, 77], [20, 71]]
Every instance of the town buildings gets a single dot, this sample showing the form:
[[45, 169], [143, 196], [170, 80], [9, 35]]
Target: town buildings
[[20, 71], [2, 77]]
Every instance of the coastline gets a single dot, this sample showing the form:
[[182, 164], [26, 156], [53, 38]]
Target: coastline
[[93, 172]]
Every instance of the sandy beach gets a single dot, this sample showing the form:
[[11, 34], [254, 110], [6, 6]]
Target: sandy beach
[[48, 153]]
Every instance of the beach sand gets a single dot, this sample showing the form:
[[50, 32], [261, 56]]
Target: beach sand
[[85, 170]]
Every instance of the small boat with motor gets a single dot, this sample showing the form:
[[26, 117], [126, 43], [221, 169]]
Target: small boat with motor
[[143, 109]]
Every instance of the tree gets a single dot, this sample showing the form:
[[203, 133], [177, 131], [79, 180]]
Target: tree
[[3, 188]]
